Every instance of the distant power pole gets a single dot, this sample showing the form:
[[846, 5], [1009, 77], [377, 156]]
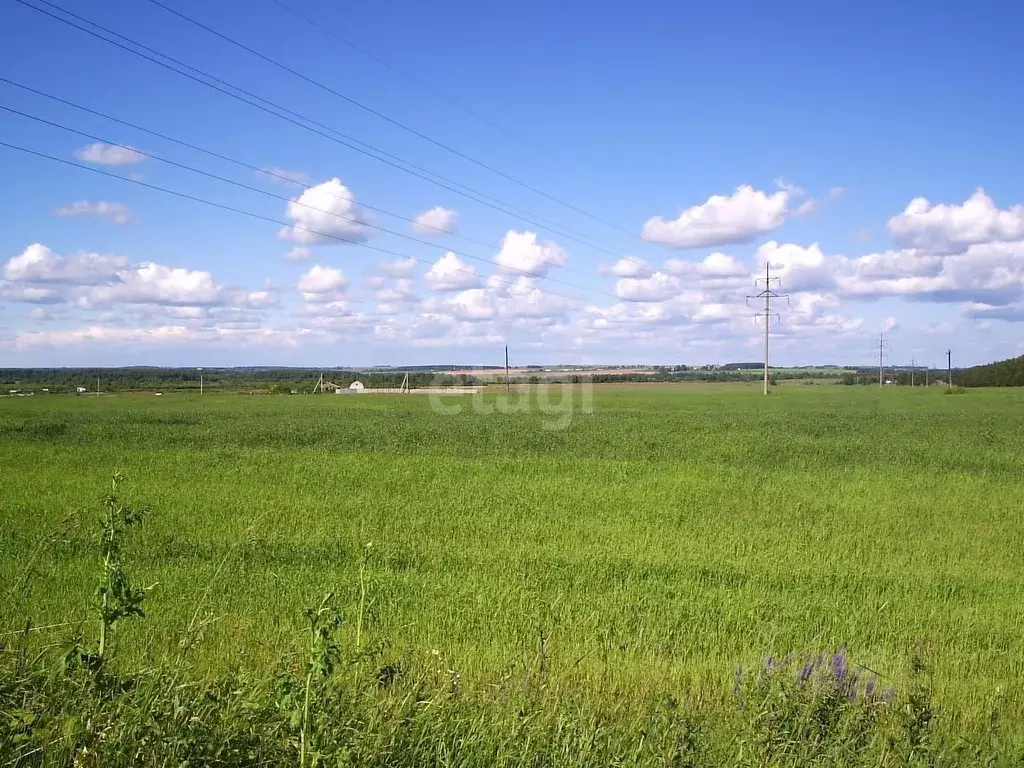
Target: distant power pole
[[508, 384], [949, 366], [882, 349], [911, 371], [767, 294], [200, 370]]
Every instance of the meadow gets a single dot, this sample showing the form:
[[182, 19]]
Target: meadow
[[532, 596]]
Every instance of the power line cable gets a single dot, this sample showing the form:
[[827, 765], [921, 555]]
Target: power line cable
[[250, 214], [413, 79], [387, 118], [320, 129], [285, 199], [241, 164]]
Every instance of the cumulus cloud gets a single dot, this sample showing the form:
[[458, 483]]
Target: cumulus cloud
[[991, 273], [38, 264], [150, 283], [499, 297], [521, 252], [88, 281], [713, 266], [326, 213], [401, 293], [436, 221], [738, 218], [949, 229], [398, 267], [115, 212], [109, 154], [628, 267], [658, 287], [322, 284], [450, 273]]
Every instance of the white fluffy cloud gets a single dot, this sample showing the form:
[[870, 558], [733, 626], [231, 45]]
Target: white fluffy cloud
[[714, 266], [658, 287], [436, 221], [322, 284], [521, 252], [401, 292], [945, 228], [38, 264], [450, 273], [398, 267], [89, 281], [628, 267], [326, 213], [115, 212], [109, 154], [738, 218], [150, 283], [991, 273], [522, 297]]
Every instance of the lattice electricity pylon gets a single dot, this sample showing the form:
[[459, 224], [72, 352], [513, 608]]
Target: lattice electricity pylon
[[883, 350], [767, 295]]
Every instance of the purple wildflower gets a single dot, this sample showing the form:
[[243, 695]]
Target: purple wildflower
[[838, 666], [888, 695], [869, 687], [805, 673], [769, 664]]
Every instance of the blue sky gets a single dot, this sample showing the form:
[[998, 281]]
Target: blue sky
[[870, 154]]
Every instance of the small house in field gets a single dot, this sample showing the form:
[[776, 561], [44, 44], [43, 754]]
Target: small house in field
[[356, 386]]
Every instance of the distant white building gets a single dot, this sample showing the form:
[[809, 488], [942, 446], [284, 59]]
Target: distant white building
[[81, 390], [356, 386]]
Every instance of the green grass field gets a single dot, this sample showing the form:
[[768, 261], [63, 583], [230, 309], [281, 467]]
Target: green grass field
[[648, 549]]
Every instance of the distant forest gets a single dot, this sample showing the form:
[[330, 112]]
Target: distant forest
[[1005, 373], [302, 380]]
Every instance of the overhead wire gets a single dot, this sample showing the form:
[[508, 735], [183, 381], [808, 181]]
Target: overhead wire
[[283, 198], [387, 118], [242, 164], [414, 80], [315, 127], [253, 215]]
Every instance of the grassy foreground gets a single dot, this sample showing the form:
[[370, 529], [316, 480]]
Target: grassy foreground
[[517, 595]]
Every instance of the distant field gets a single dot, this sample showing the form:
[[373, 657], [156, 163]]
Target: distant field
[[656, 544]]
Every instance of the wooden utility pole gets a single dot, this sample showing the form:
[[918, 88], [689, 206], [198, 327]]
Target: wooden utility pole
[[911, 371], [767, 294], [949, 366], [508, 384]]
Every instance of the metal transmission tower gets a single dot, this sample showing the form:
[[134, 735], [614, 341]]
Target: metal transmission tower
[[883, 348], [767, 294]]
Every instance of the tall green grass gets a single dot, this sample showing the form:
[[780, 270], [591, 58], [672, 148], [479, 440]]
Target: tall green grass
[[562, 587]]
